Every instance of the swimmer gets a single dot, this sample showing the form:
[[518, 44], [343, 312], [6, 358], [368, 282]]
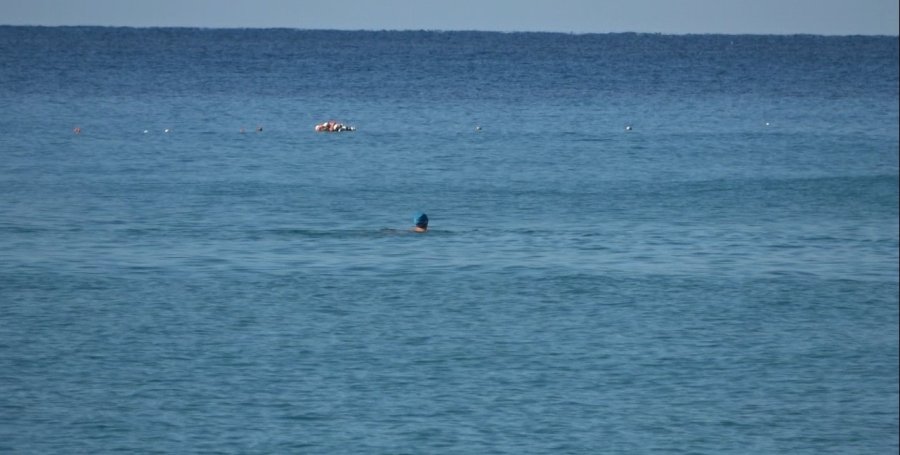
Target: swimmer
[[332, 126], [76, 130], [421, 222]]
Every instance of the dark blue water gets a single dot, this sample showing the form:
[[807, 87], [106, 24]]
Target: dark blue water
[[721, 278]]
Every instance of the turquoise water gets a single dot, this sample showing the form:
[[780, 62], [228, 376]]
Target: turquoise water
[[721, 278]]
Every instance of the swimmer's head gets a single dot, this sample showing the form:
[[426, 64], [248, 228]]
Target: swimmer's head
[[420, 220]]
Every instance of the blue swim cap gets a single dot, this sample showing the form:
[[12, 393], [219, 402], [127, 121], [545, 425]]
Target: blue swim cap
[[420, 219]]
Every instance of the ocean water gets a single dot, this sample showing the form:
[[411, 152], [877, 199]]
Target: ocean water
[[722, 278]]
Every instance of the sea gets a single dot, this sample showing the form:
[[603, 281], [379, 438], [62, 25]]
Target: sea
[[638, 243]]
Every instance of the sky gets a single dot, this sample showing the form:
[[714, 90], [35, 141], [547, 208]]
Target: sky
[[820, 17]]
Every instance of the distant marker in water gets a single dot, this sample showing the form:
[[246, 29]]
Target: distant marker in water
[[146, 131], [477, 128], [166, 130], [627, 127]]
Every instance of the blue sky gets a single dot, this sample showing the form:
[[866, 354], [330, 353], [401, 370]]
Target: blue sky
[[825, 17]]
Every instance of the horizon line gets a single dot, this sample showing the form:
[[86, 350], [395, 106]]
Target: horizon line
[[235, 27]]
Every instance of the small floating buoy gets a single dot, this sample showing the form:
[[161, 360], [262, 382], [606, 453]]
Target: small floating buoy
[[627, 127], [477, 128], [146, 131]]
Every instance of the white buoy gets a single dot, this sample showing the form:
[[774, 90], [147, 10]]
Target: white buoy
[[166, 130], [145, 131], [628, 128]]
